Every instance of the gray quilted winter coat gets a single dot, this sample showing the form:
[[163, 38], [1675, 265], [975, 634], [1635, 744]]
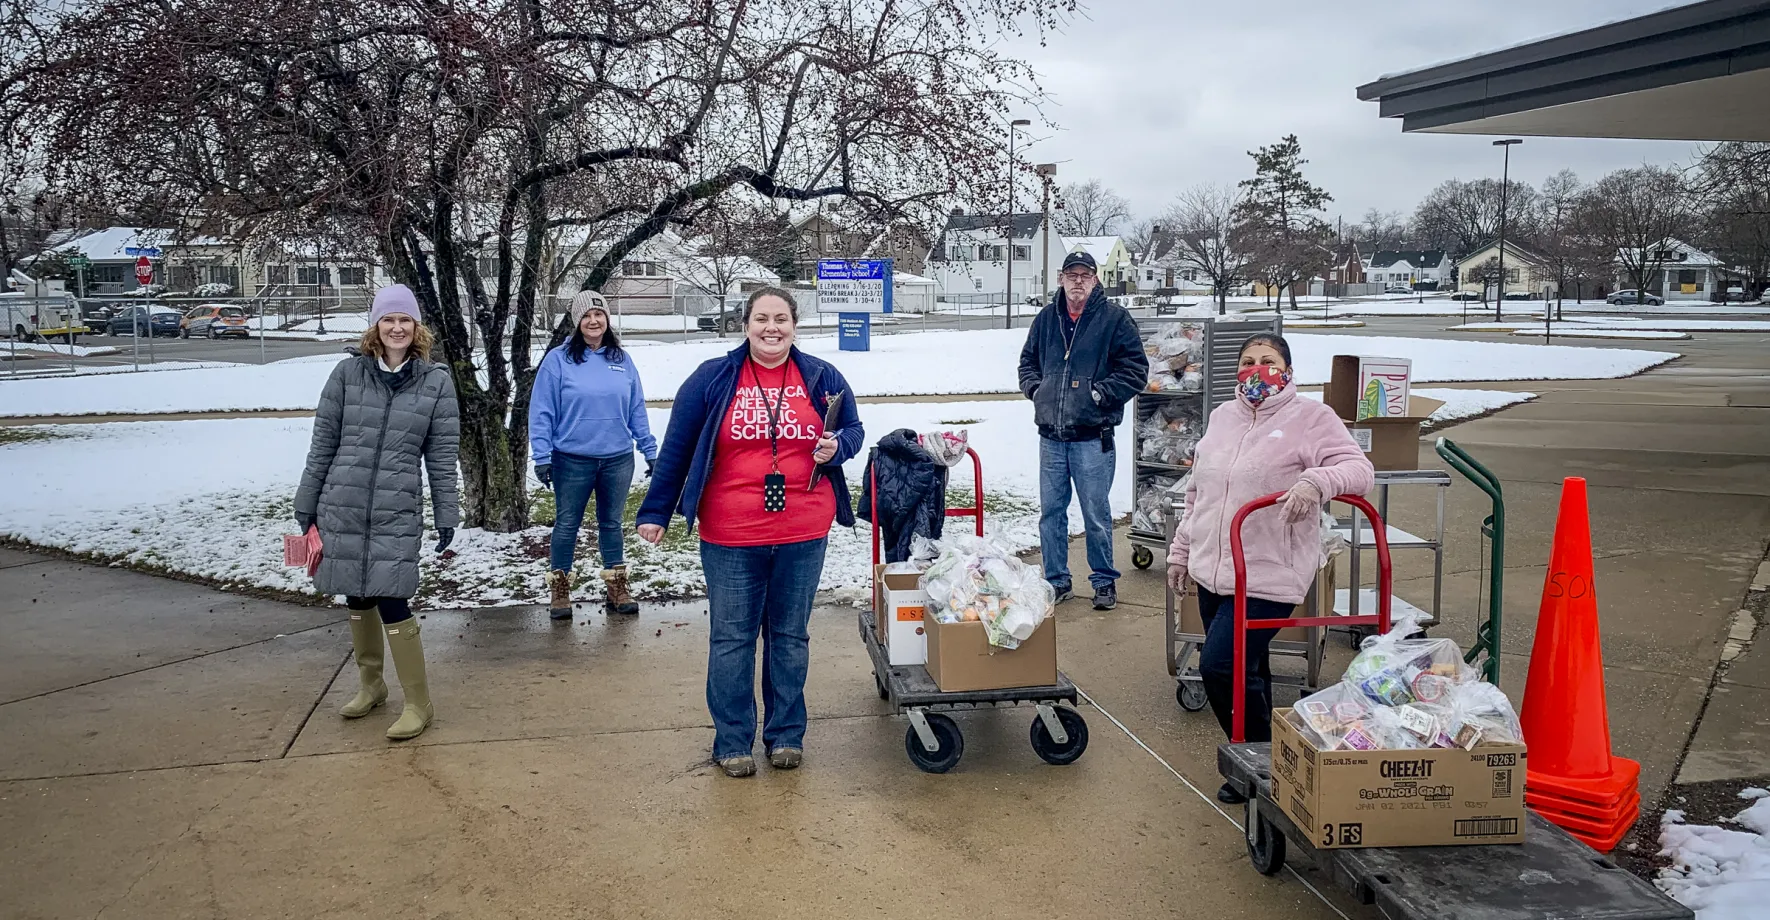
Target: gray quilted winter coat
[[362, 483]]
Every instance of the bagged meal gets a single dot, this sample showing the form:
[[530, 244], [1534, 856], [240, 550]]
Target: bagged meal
[[973, 580], [1480, 713], [1393, 670]]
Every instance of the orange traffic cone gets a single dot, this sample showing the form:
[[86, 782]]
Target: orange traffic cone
[[1572, 779]]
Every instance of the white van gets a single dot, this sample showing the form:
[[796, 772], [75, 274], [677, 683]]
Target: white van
[[30, 318]]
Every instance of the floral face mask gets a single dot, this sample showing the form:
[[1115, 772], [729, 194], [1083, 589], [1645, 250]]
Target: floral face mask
[[1256, 383]]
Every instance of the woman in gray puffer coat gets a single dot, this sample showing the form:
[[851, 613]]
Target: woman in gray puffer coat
[[383, 412]]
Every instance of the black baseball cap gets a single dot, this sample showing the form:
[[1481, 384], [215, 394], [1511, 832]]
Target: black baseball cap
[[1082, 259]]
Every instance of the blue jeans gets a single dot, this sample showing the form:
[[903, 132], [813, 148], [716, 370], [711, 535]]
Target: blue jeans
[[575, 479], [766, 591], [1216, 661], [1090, 469]]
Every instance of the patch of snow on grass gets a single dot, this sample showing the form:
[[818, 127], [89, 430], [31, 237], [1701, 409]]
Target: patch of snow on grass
[[1720, 873]]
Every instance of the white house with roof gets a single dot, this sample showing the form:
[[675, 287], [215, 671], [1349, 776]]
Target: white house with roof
[[1426, 269], [1685, 272], [970, 260]]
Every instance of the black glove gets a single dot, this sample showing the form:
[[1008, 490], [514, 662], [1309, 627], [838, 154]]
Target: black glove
[[649, 466], [303, 521], [544, 472], [444, 536]]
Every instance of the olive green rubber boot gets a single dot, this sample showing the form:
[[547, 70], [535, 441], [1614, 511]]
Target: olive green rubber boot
[[408, 661], [365, 639]]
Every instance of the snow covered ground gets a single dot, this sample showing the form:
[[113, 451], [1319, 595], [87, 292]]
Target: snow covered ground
[[51, 348], [227, 526], [943, 362], [1632, 323], [1719, 872], [1570, 331]]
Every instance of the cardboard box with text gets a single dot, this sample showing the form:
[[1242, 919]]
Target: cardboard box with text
[[900, 608], [1437, 797], [1392, 442]]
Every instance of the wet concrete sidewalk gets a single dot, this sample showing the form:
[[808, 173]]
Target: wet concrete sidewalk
[[175, 751]]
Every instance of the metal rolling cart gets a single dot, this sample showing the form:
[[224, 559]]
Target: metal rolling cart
[[1357, 533], [1196, 397], [933, 741]]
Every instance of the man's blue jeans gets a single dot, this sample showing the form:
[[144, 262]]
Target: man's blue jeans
[[1090, 469], [761, 591], [575, 479]]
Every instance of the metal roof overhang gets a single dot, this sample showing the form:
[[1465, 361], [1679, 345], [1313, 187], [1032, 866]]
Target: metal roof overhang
[[1698, 72]]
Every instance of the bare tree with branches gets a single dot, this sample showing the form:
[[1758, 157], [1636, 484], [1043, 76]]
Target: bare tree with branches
[[1733, 180], [1090, 209], [1461, 217], [1633, 214], [1206, 218], [429, 128]]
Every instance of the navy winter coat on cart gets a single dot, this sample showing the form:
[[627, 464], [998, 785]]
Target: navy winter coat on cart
[[911, 492]]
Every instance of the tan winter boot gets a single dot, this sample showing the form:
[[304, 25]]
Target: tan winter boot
[[619, 599], [560, 584], [365, 638], [408, 660]]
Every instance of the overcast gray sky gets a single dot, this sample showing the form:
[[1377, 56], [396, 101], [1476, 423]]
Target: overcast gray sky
[[1154, 95]]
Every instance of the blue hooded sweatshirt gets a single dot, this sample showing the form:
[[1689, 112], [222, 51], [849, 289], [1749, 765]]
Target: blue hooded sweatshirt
[[593, 409]]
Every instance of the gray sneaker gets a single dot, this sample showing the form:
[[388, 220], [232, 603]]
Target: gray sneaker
[[1064, 593], [739, 766], [1106, 597], [786, 758]]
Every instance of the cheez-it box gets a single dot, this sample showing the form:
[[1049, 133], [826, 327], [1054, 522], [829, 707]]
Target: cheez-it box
[[1402, 798]]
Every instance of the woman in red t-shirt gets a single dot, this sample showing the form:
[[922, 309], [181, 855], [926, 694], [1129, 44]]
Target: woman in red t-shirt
[[748, 453]]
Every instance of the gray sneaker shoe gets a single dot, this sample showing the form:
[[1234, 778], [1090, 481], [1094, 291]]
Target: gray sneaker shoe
[[1064, 593], [1106, 597], [786, 758], [739, 766]]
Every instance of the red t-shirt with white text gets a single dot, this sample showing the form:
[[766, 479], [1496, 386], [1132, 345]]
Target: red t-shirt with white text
[[731, 512]]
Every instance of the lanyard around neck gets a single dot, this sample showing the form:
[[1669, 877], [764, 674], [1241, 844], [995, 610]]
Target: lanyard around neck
[[773, 407]]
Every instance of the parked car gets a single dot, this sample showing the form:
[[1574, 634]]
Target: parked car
[[1635, 297], [1398, 289], [708, 321], [1520, 295], [96, 314], [29, 317], [1462, 296], [134, 320], [215, 320]]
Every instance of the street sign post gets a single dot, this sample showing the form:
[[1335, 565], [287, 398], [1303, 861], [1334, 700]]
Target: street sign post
[[855, 290]]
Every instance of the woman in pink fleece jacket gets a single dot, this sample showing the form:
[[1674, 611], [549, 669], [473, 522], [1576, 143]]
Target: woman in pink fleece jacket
[[1268, 439]]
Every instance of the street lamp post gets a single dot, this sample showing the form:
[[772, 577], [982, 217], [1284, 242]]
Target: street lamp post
[[1499, 301], [1008, 232], [1045, 171]]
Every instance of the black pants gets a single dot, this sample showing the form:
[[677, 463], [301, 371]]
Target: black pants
[[393, 609], [1217, 661]]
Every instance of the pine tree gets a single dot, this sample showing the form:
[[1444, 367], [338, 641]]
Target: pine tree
[[1279, 219]]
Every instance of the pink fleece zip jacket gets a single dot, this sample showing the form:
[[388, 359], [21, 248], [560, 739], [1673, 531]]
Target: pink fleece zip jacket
[[1247, 453]]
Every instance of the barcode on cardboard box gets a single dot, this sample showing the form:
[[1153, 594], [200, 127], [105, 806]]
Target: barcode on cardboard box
[[1301, 812], [1485, 827], [1502, 784]]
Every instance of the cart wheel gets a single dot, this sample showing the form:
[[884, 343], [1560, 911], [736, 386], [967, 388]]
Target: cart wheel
[[877, 682], [1141, 557], [1265, 842], [1061, 754], [1191, 695], [951, 741]]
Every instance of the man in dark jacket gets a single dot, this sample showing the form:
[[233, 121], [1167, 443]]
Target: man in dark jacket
[[1082, 362]]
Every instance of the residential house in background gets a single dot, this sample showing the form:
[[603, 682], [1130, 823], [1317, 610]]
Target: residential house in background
[[1347, 266], [970, 260], [667, 274], [1526, 271], [1416, 269], [824, 236], [1168, 267], [1686, 273]]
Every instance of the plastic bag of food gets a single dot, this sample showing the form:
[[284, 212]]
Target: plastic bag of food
[[946, 447], [1394, 670], [1480, 713], [1326, 715], [974, 580]]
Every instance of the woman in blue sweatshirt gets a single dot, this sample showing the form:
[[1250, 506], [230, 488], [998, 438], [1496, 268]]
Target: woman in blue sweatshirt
[[586, 416]]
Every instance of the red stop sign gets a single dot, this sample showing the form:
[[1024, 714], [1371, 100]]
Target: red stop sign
[[144, 270]]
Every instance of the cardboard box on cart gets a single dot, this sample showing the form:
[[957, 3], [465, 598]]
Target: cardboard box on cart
[[1436, 797], [1392, 442], [900, 609], [960, 658]]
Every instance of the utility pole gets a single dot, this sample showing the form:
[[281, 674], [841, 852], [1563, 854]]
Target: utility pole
[[1045, 171], [1499, 301], [1008, 231]]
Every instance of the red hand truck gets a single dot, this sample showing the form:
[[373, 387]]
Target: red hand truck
[[975, 511], [1385, 586]]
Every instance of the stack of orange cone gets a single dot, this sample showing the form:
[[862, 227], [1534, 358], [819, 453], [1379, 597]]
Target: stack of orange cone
[[1573, 780]]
